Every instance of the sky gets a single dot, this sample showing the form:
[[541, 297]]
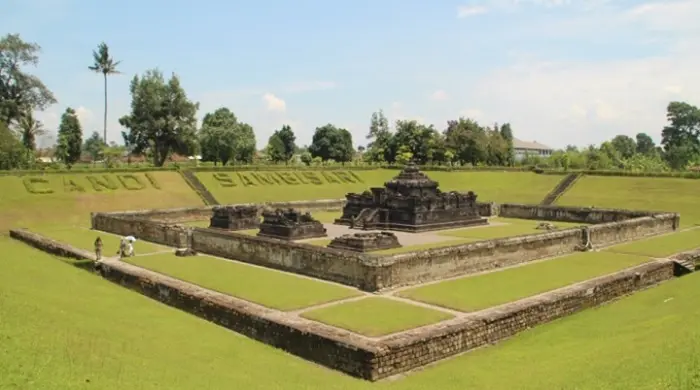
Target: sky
[[559, 71]]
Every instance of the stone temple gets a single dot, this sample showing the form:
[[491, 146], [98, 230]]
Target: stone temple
[[410, 202]]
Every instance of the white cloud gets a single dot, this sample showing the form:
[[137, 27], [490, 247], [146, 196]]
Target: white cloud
[[439, 95], [274, 103], [84, 116], [472, 113], [466, 11], [588, 101]]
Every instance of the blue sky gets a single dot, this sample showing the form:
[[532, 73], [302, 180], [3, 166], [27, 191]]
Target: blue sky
[[560, 71]]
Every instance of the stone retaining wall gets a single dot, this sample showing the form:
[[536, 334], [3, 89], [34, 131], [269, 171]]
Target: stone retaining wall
[[374, 359], [322, 344], [376, 272], [439, 263], [633, 229], [324, 263], [371, 359], [160, 233], [419, 347], [50, 246], [569, 214], [187, 214]]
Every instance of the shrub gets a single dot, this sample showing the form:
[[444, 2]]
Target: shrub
[[126, 179], [29, 184]]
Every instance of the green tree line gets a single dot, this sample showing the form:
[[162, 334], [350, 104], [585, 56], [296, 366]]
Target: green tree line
[[163, 121]]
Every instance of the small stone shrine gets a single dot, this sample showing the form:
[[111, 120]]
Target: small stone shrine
[[290, 225], [410, 202], [366, 242], [235, 217]]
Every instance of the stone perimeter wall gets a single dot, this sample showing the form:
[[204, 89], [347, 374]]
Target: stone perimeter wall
[[380, 358], [376, 272], [371, 359], [187, 214]]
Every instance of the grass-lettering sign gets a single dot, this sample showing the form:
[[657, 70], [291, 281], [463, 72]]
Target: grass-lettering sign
[[96, 183], [254, 179]]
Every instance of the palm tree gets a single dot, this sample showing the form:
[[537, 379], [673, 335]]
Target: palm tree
[[105, 64], [29, 129]]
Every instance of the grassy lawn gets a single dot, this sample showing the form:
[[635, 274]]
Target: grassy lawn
[[20, 208], [662, 246], [495, 288], [78, 332], [84, 238], [505, 227], [525, 187], [376, 316], [277, 290], [640, 193]]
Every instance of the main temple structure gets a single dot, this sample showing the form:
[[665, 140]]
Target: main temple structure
[[410, 202]]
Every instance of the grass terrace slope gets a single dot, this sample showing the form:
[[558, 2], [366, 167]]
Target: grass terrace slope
[[78, 331], [637, 193], [267, 186], [68, 199]]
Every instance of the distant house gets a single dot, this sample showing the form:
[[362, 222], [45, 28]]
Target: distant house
[[534, 148]]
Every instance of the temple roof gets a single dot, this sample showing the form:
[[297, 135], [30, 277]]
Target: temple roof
[[411, 177]]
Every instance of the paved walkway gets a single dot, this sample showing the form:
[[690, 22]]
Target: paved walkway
[[405, 238]]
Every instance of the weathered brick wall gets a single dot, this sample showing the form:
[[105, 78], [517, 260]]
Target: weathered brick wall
[[320, 262], [391, 355], [51, 246], [157, 232], [374, 272], [331, 347], [419, 347], [632, 229], [187, 214], [568, 214], [440, 263]]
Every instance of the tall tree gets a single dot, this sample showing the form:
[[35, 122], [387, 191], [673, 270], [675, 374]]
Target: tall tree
[[104, 63], [419, 140], [162, 118], [507, 135], [275, 148], [379, 147], [624, 145], [29, 129], [645, 145], [467, 139], [223, 139], [12, 154], [288, 139], [20, 92], [94, 146], [332, 143], [70, 138], [683, 128]]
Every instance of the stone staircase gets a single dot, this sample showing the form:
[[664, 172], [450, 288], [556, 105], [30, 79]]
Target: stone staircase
[[684, 266], [562, 187], [194, 183], [365, 215]]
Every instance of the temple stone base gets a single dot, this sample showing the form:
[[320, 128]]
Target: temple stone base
[[290, 225], [366, 242], [235, 218], [425, 227]]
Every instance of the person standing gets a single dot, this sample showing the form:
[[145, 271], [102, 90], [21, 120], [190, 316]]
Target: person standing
[[98, 248]]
